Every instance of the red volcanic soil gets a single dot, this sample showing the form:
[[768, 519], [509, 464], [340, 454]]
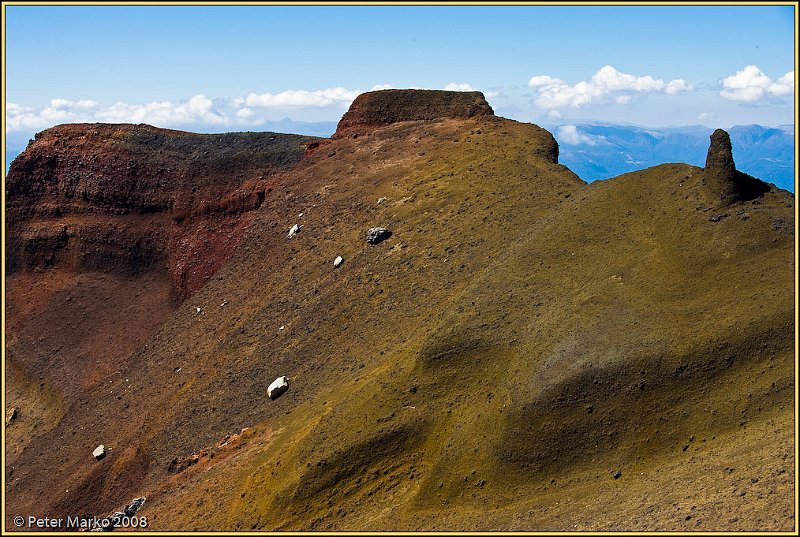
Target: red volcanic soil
[[132, 198]]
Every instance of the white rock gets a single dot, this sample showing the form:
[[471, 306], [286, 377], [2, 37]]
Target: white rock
[[278, 387], [338, 261], [199, 310], [99, 452], [294, 230]]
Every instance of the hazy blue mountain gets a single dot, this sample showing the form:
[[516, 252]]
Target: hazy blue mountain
[[16, 142], [599, 151], [323, 129]]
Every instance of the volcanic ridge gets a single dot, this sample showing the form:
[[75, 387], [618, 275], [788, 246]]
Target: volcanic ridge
[[518, 350]]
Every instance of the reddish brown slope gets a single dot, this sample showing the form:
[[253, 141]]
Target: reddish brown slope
[[133, 198], [109, 227]]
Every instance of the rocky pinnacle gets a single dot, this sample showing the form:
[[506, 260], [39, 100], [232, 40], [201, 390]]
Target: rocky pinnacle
[[720, 171]]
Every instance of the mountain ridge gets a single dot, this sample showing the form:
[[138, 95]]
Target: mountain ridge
[[600, 151], [521, 339], [773, 161]]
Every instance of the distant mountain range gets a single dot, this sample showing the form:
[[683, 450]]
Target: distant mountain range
[[603, 150]]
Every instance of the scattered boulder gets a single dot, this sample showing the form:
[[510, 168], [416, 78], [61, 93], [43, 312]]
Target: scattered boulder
[[617, 474], [99, 452], [278, 387], [376, 235], [11, 415], [717, 217], [294, 230], [338, 261], [134, 506], [109, 523]]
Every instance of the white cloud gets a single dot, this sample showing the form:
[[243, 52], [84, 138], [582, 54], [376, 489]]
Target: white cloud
[[676, 86], [783, 86], [751, 85], [554, 114], [607, 83], [21, 118], [244, 113], [197, 111], [570, 135], [303, 99], [452, 86], [545, 81], [63, 109]]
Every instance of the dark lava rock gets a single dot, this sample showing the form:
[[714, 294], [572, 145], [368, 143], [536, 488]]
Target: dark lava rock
[[376, 235], [721, 180], [11, 415], [719, 160], [617, 474], [378, 108]]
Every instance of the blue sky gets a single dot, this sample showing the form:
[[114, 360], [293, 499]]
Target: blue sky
[[234, 68]]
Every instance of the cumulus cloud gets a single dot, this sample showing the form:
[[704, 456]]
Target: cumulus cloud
[[21, 118], [570, 135], [452, 86], [303, 99], [605, 85], [751, 85], [244, 113], [545, 81], [199, 111]]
